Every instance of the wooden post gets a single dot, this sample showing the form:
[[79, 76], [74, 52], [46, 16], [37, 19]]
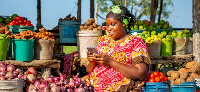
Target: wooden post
[[79, 11], [160, 12], [154, 6], [91, 8], [125, 3], [96, 11], [39, 24], [196, 30]]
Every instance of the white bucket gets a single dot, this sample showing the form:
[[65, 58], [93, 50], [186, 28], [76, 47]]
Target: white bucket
[[12, 85], [86, 38]]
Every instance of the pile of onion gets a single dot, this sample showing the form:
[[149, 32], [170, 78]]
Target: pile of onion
[[9, 72]]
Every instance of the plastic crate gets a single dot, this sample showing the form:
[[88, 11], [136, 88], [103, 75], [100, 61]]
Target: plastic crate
[[18, 28], [156, 87], [184, 87]]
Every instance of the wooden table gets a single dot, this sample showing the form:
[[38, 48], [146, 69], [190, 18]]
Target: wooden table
[[44, 65]]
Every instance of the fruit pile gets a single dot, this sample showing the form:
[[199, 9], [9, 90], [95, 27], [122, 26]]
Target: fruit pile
[[16, 20], [68, 17], [90, 25], [157, 77], [142, 25], [4, 30], [187, 74]]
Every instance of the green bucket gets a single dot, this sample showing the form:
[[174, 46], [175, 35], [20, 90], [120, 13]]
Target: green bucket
[[23, 49], [4, 44], [166, 47]]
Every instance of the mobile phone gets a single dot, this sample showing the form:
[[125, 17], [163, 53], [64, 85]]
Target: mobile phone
[[92, 50]]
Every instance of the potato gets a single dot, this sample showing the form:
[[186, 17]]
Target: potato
[[194, 75], [183, 75], [179, 81], [169, 78], [189, 79], [175, 75], [169, 73], [193, 66]]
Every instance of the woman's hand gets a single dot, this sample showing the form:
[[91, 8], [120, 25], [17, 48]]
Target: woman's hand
[[90, 57], [92, 63], [102, 59]]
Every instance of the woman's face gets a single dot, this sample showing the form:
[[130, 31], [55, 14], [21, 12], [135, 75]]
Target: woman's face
[[115, 28]]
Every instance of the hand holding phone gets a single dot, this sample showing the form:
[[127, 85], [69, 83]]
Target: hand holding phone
[[92, 50]]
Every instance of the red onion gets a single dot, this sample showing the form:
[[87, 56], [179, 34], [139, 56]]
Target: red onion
[[2, 68], [31, 70], [31, 78], [2, 73], [2, 78], [19, 71], [50, 80], [62, 77], [37, 84], [43, 85], [20, 76], [55, 88], [15, 73], [77, 82], [10, 68], [56, 78], [71, 83], [76, 77], [69, 89], [3, 64], [9, 75], [80, 89]]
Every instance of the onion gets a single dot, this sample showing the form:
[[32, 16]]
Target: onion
[[9, 75], [2, 73], [69, 89], [20, 76], [55, 88], [19, 71], [80, 89], [65, 82], [15, 73], [62, 77], [76, 77], [31, 78], [32, 71], [71, 83], [44, 85], [3, 64], [56, 78], [77, 82], [37, 84], [2, 78], [50, 79], [10, 68], [2, 68]]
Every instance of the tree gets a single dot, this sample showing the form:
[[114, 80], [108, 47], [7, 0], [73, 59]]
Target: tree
[[139, 7]]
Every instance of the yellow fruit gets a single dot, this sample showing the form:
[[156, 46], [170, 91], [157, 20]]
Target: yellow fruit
[[185, 31]]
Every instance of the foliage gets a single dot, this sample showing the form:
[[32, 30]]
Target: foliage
[[139, 8]]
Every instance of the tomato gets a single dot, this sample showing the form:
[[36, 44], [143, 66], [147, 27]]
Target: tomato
[[157, 79], [162, 78], [28, 21], [20, 21], [161, 74], [165, 79], [17, 18], [152, 75], [22, 18], [157, 73], [27, 24], [151, 80]]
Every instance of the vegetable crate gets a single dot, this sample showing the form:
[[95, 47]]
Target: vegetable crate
[[184, 87], [18, 28], [156, 87]]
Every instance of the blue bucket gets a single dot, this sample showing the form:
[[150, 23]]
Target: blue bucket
[[67, 31], [156, 87], [184, 87]]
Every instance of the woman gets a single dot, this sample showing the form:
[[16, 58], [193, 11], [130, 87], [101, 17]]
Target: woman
[[122, 62]]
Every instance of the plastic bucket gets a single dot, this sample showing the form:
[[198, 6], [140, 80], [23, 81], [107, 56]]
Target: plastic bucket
[[184, 87], [166, 47], [44, 49], [23, 49], [156, 87], [189, 47], [16, 29], [154, 48], [197, 84], [67, 31], [12, 85], [86, 38], [4, 45], [179, 46]]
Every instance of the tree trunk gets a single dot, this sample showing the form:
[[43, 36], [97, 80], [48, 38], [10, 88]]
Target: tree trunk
[[79, 11], [91, 8], [39, 24], [160, 12], [196, 30], [154, 6]]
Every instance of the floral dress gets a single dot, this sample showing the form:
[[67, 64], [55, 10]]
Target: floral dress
[[129, 50]]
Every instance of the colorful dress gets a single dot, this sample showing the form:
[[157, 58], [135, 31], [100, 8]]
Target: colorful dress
[[129, 50]]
